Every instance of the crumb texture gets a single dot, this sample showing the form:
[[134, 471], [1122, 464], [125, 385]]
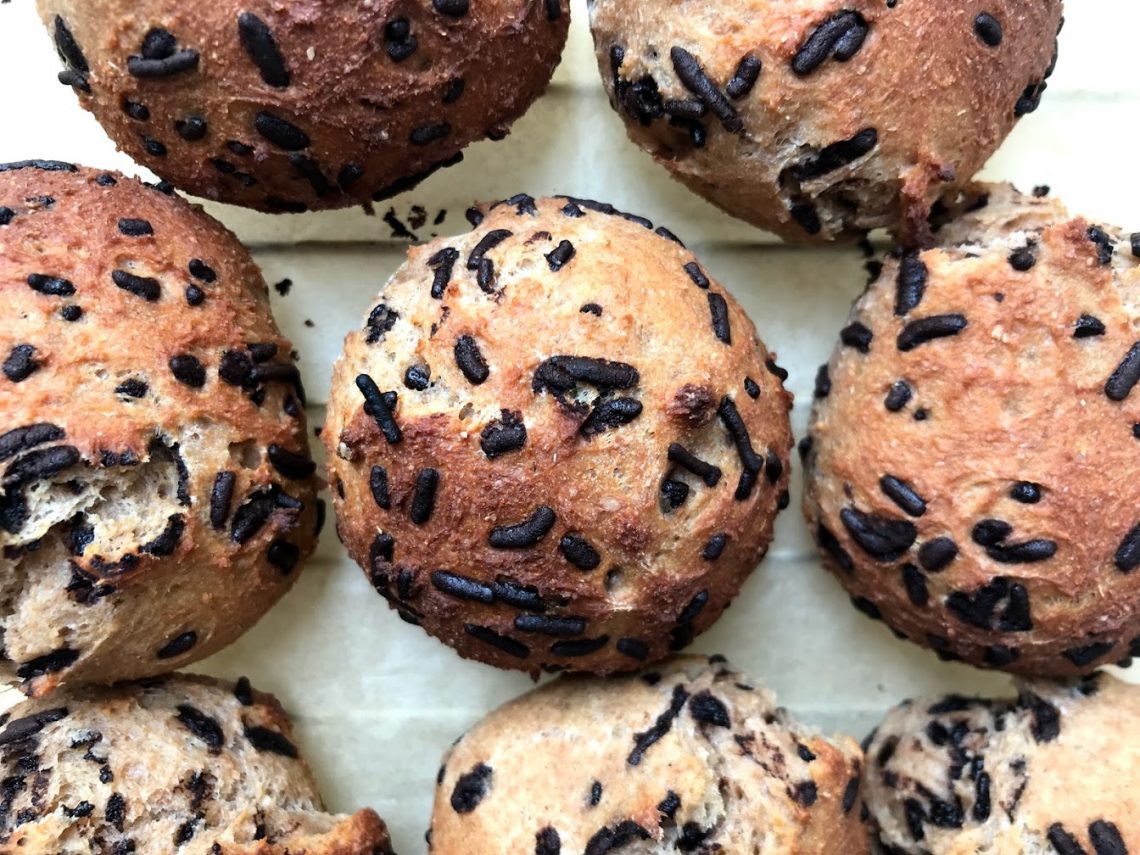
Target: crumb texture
[[1047, 773], [156, 489], [178, 764], [687, 757]]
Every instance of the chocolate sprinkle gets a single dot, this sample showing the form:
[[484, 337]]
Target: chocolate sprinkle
[[694, 78], [840, 36], [376, 407], [1128, 553], [503, 435], [857, 336], [750, 460], [470, 360], [988, 29], [579, 552], [1082, 657], [835, 156], [903, 495], [645, 740], [21, 363], [178, 645], [39, 464], [683, 457], [177, 63], [697, 275], [718, 307], [1088, 326], [49, 663], [715, 547], [141, 286], [281, 133], [451, 8], [898, 396], [21, 729], [1105, 838], [546, 625], [264, 739], [488, 636], [291, 464], [202, 726], [547, 841], [560, 256], [744, 78], [423, 499], [882, 538], [634, 648], [462, 587], [937, 554], [579, 647], [471, 787], [525, 534], [378, 485], [442, 264], [68, 47], [610, 413], [710, 710], [257, 40], [978, 608], [22, 439], [911, 284], [925, 330], [188, 370], [1125, 377]]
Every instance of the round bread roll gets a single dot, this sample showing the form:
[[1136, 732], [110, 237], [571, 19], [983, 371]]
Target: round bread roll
[[286, 107], [685, 758], [156, 489], [1054, 772], [821, 120], [556, 442], [180, 764], [972, 452]]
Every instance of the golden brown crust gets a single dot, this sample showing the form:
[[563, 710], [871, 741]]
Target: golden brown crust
[[1017, 433], [863, 115], [1046, 773], [687, 757], [184, 763], [346, 102], [647, 587], [119, 562]]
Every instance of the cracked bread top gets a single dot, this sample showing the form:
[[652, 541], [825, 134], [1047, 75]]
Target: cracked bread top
[[1050, 772], [156, 488], [181, 764], [685, 757]]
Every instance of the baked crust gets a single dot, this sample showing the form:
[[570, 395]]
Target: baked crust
[[607, 573], [863, 114], [686, 757], [1048, 772], [182, 763], [285, 107], [986, 507], [141, 361]]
